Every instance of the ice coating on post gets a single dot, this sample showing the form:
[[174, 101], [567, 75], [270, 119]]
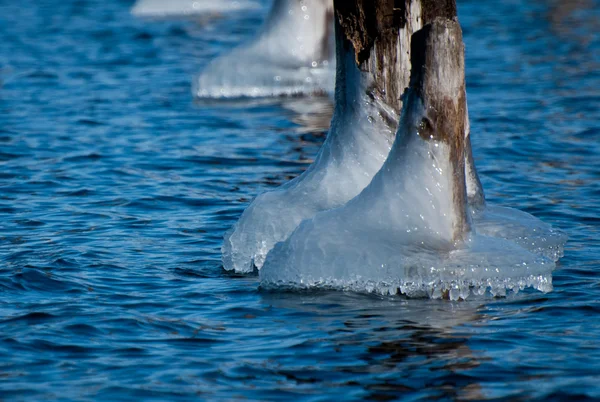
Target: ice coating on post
[[408, 231], [356, 146], [176, 8], [438, 82], [293, 54], [475, 194], [520, 228], [368, 99], [508, 223], [360, 137]]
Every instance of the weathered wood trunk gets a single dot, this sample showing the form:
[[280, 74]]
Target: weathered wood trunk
[[438, 81], [394, 40], [378, 34]]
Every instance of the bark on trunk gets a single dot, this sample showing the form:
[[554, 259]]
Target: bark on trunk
[[390, 38], [438, 79], [379, 32]]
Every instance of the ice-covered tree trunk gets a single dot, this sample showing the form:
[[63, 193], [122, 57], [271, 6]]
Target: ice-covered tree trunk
[[438, 79], [388, 41], [373, 53], [378, 34], [408, 231]]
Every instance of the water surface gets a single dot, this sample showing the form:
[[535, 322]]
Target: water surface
[[116, 189]]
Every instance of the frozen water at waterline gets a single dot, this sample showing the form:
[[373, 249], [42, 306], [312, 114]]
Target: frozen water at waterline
[[244, 73], [398, 234], [369, 262], [293, 54], [353, 152], [379, 250], [358, 142], [173, 8], [410, 221]]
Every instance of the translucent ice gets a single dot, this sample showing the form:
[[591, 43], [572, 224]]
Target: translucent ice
[[169, 8], [521, 228], [357, 145], [517, 226], [409, 231], [358, 142], [396, 237], [293, 54]]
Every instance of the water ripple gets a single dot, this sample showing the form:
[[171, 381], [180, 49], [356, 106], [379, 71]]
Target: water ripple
[[116, 189]]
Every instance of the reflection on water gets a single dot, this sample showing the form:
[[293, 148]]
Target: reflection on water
[[570, 20], [397, 347]]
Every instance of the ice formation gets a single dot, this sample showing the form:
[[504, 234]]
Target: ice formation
[[508, 223], [293, 54], [359, 139], [521, 228], [172, 8], [409, 231], [358, 142]]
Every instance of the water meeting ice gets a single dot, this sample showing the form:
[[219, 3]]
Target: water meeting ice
[[358, 142], [416, 224]]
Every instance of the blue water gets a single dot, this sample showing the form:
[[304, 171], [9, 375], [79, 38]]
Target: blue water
[[116, 189]]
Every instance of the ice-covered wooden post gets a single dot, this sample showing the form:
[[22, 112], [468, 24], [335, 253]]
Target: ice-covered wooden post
[[292, 54], [392, 38], [408, 231], [373, 54]]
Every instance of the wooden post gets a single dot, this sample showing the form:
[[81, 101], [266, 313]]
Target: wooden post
[[379, 34], [417, 43], [438, 81]]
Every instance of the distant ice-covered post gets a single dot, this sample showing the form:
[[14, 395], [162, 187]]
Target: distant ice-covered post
[[178, 8], [291, 55]]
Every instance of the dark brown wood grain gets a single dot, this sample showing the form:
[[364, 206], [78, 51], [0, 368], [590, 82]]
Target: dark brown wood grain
[[438, 81], [379, 32], [416, 44]]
